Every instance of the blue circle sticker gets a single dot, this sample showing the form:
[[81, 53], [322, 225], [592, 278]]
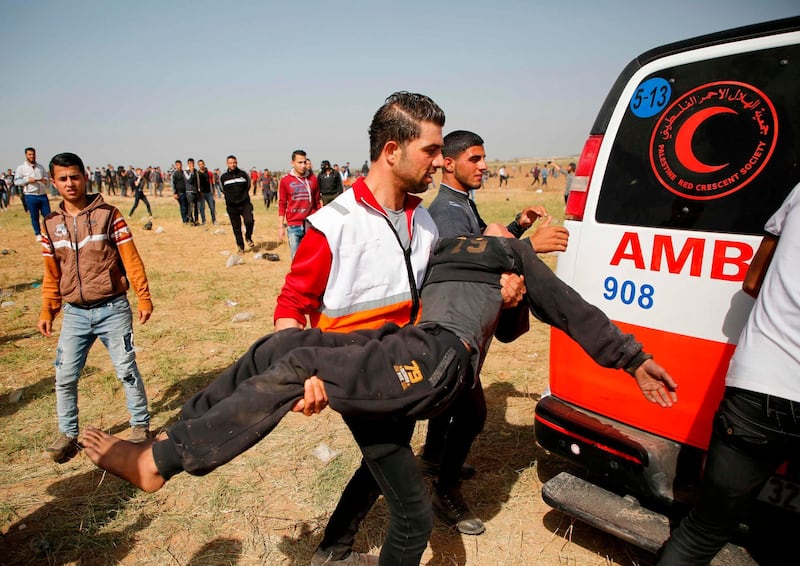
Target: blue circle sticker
[[651, 97]]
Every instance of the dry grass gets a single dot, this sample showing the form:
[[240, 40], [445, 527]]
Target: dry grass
[[270, 505]]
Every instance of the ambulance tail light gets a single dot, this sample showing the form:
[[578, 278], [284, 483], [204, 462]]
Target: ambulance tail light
[[576, 204]]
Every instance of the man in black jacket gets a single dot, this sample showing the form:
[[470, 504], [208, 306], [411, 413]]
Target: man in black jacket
[[236, 188], [206, 193], [179, 190], [329, 182], [192, 193], [451, 434]]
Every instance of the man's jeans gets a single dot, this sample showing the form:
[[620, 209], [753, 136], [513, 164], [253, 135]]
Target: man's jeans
[[388, 467], [112, 323], [184, 206], [212, 207], [191, 207], [753, 434], [37, 204], [294, 234]]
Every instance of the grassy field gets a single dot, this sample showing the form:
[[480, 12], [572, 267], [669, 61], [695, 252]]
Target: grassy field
[[270, 505]]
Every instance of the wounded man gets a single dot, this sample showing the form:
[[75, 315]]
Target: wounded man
[[414, 371]]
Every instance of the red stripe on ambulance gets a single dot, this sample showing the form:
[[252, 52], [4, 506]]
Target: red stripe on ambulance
[[575, 378]]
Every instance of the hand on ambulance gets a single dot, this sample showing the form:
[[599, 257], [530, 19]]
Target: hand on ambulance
[[656, 384]]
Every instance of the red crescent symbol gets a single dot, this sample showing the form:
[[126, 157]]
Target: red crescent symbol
[[683, 140]]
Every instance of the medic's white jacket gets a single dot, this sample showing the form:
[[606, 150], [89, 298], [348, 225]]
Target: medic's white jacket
[[368, 280]]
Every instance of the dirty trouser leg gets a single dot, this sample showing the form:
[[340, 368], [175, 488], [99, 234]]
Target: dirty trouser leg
[[240, 406], [412, 373], [393, 468], [258, 359]]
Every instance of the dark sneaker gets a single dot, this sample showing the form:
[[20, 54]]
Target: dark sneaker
[[431, 468], [353, 559], [250, 245], [139, 433], [450, 507], [63, 448]]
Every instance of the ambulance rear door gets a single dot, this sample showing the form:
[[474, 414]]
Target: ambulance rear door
[[697, 147]]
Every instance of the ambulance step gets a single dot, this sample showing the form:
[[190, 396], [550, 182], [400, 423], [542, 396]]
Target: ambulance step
[[621, 517]]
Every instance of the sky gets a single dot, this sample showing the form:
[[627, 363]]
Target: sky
[[147, 82]]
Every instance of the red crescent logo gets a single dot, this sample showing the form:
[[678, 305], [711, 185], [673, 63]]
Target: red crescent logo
[[683, 140], [734, 149]]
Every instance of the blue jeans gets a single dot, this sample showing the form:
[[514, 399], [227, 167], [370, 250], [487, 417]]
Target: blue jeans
[[37, 204], [112, 323], [212, 207], [184, 205], [294, 234], [191, 207], [753, 434]]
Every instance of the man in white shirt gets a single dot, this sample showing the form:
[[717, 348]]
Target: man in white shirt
[[757, 425], [503, 176], [33, 179]]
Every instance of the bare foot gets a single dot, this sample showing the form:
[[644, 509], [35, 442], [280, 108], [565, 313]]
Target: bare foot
[[132, 462]]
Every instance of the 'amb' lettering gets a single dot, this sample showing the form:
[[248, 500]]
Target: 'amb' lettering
[[629, 248], [729, 261], [728, 268], [662, 247]]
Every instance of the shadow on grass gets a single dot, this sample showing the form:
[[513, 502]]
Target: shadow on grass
[[300, 547], [218, 551], [10, 290], [267, 246], [502, 450], [25, 395], [573, 531], [72, 528], [7, 339]]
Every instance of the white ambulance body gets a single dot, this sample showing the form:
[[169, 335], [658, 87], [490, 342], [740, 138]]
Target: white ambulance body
[[695, 147]]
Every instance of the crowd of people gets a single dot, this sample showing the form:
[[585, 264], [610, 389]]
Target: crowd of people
[[195, 188], [401, 364]]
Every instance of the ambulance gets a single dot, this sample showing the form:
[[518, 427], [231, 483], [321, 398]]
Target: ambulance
[[696, 145]]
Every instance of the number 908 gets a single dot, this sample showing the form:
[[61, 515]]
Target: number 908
[[627, 292]]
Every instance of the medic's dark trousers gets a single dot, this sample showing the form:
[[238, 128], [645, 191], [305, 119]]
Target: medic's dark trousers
[[389, 372]]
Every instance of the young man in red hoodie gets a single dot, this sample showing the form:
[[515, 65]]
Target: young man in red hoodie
[[298, 197]]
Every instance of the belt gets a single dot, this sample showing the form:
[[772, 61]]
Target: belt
[[87, 306]]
